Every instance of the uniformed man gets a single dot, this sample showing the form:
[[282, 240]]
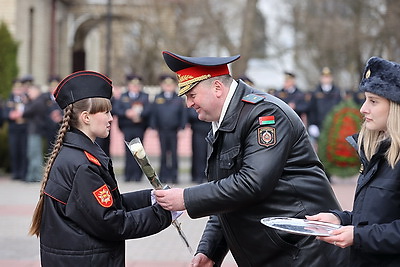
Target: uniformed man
[[293, 96], [324, 98], [260, 164], [53, 115], [168, 116], [133, 112], [17, 130]]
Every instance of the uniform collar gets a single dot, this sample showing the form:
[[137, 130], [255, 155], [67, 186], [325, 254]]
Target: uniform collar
[[235, 106], [232, 90], [79, 140]]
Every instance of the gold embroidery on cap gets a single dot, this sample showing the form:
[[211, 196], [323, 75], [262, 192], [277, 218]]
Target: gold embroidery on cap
[[367, 74], [182, 78], [197, 79]]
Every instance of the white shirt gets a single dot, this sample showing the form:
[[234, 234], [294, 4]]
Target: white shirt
[[232, 89]]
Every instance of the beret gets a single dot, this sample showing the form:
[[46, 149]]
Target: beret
[[192, 70], [381, 77], [80, 85], [134, 78]]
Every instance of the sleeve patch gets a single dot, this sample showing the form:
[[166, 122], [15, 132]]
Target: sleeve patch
[[92, 159], [103, 196], [266, 136]]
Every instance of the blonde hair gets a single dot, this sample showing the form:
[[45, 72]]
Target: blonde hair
[[370, 140], [70, 120]]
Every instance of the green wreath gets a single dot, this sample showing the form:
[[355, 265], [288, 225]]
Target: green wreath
[[337, 155]]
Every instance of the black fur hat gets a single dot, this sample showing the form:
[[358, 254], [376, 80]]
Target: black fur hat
[[382, 77]]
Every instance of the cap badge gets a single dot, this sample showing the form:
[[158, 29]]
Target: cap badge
[[367, 74], [103, 196]]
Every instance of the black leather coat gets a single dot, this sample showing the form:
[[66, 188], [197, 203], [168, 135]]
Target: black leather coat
[[258, 171], [82, 225]]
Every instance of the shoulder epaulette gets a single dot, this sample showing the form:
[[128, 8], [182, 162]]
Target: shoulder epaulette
[[92, 159], [252, 98]]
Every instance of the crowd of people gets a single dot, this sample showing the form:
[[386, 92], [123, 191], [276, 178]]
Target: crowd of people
[[34, 118]]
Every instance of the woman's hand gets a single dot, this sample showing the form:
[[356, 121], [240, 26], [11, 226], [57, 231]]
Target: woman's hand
[[324, 217], [341, 237]]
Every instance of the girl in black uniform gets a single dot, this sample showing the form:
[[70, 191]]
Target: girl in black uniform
[[81, 217]]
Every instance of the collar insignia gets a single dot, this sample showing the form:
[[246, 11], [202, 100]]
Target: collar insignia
[[92, 159]]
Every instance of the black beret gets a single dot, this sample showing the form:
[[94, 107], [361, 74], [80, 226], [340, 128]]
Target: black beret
[[134, 78], [167, 78], [289, 75], [80, 85], [28, 78], [53, 78], [192, 70], [381, 77]]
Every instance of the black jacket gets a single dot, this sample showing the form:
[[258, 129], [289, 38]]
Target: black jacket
[[168, 114], [125, 102], [321, 104], [85, 219], [376, 212], [259, 171]]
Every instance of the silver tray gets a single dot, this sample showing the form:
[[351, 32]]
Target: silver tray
[[300, 226]]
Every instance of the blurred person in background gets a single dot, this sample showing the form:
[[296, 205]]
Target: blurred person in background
[[35, 113], [323, 99], [17, 130], [293, 96], [133, 111], [168, 116], [53, 115]]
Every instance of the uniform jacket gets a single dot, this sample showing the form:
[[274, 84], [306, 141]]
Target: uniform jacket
[[376, 212], [168, 113], [85, 219], [125, 102], [259, 171], [322, 103], [297, 97]]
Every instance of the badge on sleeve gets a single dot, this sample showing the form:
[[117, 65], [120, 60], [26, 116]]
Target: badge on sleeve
[[266, 136], [103, 196]]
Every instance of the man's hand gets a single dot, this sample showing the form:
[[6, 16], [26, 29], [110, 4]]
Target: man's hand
[[170, 199], [201, 260]]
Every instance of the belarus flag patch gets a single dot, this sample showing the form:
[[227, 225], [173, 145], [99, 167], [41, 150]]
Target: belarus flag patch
[[266, 120], [103, 196]]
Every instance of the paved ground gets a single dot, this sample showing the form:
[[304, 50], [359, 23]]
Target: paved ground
[[18, 199]]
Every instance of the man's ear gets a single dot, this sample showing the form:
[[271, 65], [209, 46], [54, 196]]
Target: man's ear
[[218, 87], [85, 117]]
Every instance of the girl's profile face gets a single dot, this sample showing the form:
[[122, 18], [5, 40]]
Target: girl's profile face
[[375, 110], [100, 124]]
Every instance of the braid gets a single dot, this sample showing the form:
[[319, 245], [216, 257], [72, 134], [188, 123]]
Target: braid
[[37, 215]]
